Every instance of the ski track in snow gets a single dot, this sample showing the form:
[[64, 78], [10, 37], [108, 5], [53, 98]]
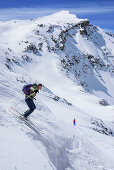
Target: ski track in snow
[[90, 144]]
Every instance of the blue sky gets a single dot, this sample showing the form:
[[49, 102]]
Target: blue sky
[[99, 12]]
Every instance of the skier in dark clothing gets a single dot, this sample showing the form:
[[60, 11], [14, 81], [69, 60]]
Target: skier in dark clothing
[[33, 90]]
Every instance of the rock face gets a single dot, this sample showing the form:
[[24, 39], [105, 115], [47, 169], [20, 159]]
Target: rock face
[[100, 127], [103, 102]]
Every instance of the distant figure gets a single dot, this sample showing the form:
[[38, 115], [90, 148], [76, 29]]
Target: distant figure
[[74, 122], [30, 91]]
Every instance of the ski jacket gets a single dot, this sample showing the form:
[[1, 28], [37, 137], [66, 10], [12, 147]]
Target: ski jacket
[[33, 91]]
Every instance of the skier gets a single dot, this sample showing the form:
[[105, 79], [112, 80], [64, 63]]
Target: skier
[[30, 91], [74, 122]]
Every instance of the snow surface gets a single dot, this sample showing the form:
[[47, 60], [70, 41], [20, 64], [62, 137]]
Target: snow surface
[[74, 62]]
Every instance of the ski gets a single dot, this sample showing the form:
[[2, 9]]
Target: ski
[[26, 123], [30, 126], [26, 120]]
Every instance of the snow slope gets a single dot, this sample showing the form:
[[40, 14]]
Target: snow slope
[[74, 61]]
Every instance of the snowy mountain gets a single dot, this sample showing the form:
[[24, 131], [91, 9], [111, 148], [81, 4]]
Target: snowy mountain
[[74, 60]]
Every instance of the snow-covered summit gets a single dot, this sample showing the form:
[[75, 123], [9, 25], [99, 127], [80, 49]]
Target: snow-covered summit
[[59, 18]]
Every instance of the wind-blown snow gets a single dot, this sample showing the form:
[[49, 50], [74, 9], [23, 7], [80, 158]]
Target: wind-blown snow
[[74, 61]]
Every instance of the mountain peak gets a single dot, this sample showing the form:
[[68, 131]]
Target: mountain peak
[[61, 17]]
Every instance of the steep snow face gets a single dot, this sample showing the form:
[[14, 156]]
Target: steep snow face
[[74, 61]]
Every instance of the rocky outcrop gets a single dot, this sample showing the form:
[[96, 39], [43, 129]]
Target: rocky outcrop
[[103, 102]]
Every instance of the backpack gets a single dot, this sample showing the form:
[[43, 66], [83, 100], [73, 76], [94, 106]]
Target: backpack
[[26, 89]]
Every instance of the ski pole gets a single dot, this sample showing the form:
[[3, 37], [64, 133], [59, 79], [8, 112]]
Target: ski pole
[[18, 103], [22, 100]]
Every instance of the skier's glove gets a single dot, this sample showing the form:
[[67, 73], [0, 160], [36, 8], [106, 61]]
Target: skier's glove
[[35, 91]]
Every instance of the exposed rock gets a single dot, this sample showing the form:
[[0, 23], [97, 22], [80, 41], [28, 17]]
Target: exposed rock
[[83, 30], [90, 56], [26, 58], [56, 98], [50, 29], [103, 102], [100, 127], [40, 46], [70, 104], [32, 48]]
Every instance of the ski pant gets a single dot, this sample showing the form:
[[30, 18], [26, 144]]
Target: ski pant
[[31, 106]]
